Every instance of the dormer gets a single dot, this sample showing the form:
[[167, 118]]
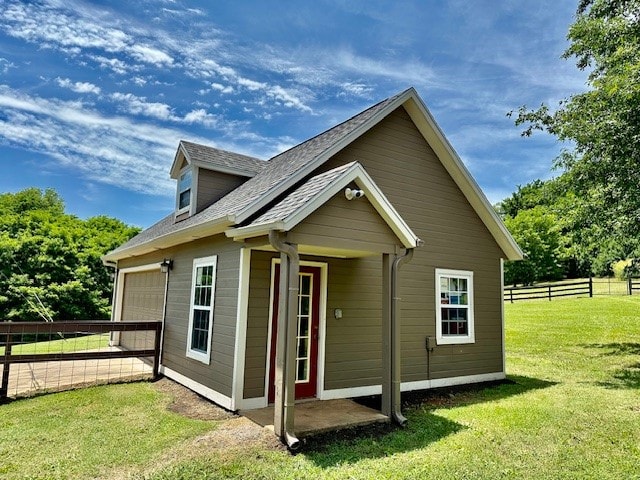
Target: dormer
[[204, 175]]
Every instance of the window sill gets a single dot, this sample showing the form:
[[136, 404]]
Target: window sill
[[199, 356], [455, 340]]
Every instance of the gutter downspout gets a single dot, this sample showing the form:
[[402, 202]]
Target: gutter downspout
[[285, 346], [114, 296], [396, 414]]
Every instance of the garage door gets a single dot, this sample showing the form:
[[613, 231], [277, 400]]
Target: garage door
[[142, 299]]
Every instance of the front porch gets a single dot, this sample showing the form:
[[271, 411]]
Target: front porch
[[319, 416]]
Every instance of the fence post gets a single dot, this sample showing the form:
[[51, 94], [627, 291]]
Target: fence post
[[630, 286], [590, 287], [156, 356], [549, 292], [4, 388]]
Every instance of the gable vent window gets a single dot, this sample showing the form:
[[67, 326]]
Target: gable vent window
[[184, 189]]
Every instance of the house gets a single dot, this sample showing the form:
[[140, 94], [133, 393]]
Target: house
[[286, 275]]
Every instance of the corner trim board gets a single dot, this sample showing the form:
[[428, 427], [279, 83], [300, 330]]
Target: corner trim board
[[240, 348]]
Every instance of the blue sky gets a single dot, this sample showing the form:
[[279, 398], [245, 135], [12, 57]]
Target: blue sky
[[94, 96]]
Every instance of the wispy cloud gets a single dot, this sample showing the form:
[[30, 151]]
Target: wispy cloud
[[108, 149]]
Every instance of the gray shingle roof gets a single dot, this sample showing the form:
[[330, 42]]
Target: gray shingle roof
[[214, 157], [301, 196], [275, 173]]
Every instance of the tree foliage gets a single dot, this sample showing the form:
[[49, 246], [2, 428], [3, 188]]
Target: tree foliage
[[50, 261], [598, 193], [536, 231]]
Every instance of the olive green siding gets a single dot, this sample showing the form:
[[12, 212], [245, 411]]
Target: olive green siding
[[343, 223], [406, 169], [212, 186], [353, 344], [217, 375]]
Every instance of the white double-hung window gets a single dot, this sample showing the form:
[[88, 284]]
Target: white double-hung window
[[454, 307], [201, 309], [184, 189]]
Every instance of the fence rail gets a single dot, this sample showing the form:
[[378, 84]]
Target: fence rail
[[549, 291], [634, 285], [69, 343]]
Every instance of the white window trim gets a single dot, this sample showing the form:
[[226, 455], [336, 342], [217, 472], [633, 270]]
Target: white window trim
[[204, 357], [187, 209], [457, 339]]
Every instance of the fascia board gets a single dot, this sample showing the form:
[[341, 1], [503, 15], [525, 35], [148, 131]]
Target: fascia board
[[320, 159], [172, 239], [254, 230], [461, 175], [175, 167], [386, 210]]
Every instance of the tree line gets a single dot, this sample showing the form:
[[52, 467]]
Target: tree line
[[587, 218], [50, 266]]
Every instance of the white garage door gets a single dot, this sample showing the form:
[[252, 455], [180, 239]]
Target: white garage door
[[142, 300]]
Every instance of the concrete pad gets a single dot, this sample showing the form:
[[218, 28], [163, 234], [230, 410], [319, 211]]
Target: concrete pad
[[318, 416]]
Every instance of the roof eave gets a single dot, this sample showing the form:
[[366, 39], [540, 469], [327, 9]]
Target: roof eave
[[212, 227]]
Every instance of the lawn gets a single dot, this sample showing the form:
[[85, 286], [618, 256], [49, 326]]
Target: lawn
[[85, 342], [572, 411]]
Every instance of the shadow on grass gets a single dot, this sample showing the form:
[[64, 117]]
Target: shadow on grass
[[626, 377], [424, 427]]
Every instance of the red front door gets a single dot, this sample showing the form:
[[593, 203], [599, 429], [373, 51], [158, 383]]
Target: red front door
[[306, 367]]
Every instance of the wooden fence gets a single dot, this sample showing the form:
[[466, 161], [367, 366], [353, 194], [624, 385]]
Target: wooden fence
[[633, 285], [549, 291], [15, 336]]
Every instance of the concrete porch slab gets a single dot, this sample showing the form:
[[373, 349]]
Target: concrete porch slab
[[319, 416]]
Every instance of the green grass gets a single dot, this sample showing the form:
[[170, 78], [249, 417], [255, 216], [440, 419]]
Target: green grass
[[89, 433], [88, 342], [573, 411]]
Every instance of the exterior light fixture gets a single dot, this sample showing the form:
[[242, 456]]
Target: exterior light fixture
[[166, 265], [351, 194]]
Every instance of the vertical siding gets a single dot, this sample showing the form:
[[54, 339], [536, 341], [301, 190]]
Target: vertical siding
[[218, 375], [407, 170], [212, 186]]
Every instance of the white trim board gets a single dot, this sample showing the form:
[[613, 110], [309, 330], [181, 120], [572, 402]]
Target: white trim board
[[240, 348], [200, 389], [410, 386]]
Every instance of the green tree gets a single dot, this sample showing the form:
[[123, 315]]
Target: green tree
[[602, 171], [50, 261], [537, 232]]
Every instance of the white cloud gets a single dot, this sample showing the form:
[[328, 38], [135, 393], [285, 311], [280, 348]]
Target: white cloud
[[222, 88], [78, 87], [114, 64], [139, 106], [151, 55]]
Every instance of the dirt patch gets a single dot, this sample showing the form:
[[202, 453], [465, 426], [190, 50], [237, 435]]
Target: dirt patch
[[190, 404]]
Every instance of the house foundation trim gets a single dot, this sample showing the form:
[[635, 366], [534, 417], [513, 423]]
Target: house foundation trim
[[410, 386], [200, 389]]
